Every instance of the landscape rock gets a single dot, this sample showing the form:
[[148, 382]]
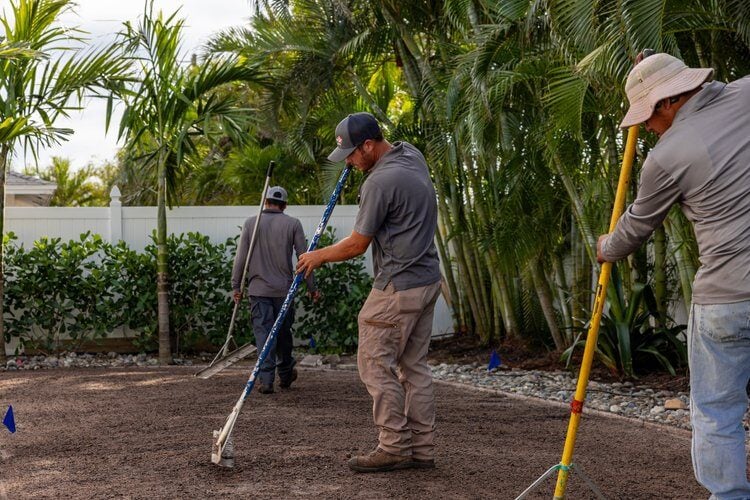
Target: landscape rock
[[656, 410], [674, 404], [312, 360], [331, 359]]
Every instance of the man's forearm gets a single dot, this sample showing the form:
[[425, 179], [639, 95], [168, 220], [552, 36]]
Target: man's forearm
[[353, 245], [343, 250], [238, 268]]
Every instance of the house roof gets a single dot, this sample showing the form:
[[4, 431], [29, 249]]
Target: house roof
[[16, 183]]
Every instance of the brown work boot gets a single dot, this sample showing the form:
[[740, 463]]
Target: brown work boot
[[379, 461], [422, 463]]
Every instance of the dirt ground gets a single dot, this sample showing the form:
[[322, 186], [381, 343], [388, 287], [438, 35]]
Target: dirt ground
[[146, 433]]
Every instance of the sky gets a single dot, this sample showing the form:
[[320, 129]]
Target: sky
[[102, 19]]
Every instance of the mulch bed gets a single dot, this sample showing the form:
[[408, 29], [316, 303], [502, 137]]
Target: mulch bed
[[146, 433]]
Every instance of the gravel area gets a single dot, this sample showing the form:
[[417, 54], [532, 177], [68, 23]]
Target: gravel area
[[626, 398]]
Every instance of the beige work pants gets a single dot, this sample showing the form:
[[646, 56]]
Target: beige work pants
[[394, 335]]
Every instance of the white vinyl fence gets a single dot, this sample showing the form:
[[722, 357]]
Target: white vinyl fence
[[134, 225]]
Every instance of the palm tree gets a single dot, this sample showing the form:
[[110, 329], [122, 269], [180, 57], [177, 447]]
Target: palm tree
[[74, 188], [309, 86], [516, 106], [170, 106], [35, 90]]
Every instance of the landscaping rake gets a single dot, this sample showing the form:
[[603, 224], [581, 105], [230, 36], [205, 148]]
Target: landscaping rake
[[222, 451], [564, 468], [224, 358]]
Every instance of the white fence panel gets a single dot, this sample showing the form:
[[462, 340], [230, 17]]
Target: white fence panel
[[134, 225], [31, 223]]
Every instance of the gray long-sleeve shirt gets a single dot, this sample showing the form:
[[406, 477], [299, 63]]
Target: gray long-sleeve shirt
[[703, 163], [270, 273]]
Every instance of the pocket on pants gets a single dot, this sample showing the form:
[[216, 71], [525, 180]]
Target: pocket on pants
[[724, 322], [407, 302], [378, 339], [380, 324]]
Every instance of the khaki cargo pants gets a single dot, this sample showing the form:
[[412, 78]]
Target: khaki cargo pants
[[394, 335]]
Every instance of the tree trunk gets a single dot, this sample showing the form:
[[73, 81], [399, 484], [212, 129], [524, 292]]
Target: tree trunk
[[579, 282], [476, 285], [541, 286], [561, 285], [441, 237], [679, 247], [510, 320], [162, 283], [660, 273], [4, 153]]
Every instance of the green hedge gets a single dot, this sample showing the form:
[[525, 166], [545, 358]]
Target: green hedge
[[54, 289], [331, 323], [83, 289]]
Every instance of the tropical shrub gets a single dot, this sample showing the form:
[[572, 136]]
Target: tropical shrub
[[199, 293], [632, 337], [331, 323], [58, 295], [133, 285], [56, 291]]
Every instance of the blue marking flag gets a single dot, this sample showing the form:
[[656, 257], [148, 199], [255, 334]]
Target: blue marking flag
[[312, 342], [9, 421], [494, 361]]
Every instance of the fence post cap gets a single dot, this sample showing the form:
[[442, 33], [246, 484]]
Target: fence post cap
[[114, 195]]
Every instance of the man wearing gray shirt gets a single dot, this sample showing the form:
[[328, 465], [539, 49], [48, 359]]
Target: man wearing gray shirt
[[702, 162], [398, 214], [270, 274]]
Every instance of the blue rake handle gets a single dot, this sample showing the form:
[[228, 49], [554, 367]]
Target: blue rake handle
[[295, 284]]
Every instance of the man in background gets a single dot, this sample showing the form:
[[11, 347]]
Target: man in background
[[270, 274]]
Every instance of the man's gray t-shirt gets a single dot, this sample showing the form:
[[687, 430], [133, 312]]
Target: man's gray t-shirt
[[703, 163], [398, 208], [270, 272]]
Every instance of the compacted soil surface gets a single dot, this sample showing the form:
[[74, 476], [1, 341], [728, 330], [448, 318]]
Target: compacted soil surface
[[147, 433]]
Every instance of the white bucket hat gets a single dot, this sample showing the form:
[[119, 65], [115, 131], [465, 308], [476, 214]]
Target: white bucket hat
[[655, 78]]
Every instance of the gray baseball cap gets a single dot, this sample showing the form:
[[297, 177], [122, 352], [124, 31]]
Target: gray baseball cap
[[277, 193], [351, 132]]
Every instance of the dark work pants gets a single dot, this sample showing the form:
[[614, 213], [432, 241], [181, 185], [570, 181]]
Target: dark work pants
[[264, 311]]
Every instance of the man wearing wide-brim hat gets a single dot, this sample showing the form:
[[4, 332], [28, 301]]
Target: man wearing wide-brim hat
[[702, 162]]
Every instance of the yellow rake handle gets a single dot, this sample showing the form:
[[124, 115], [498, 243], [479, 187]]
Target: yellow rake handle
[[596, 317]]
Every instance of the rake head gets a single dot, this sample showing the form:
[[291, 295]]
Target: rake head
[[222, 454]]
